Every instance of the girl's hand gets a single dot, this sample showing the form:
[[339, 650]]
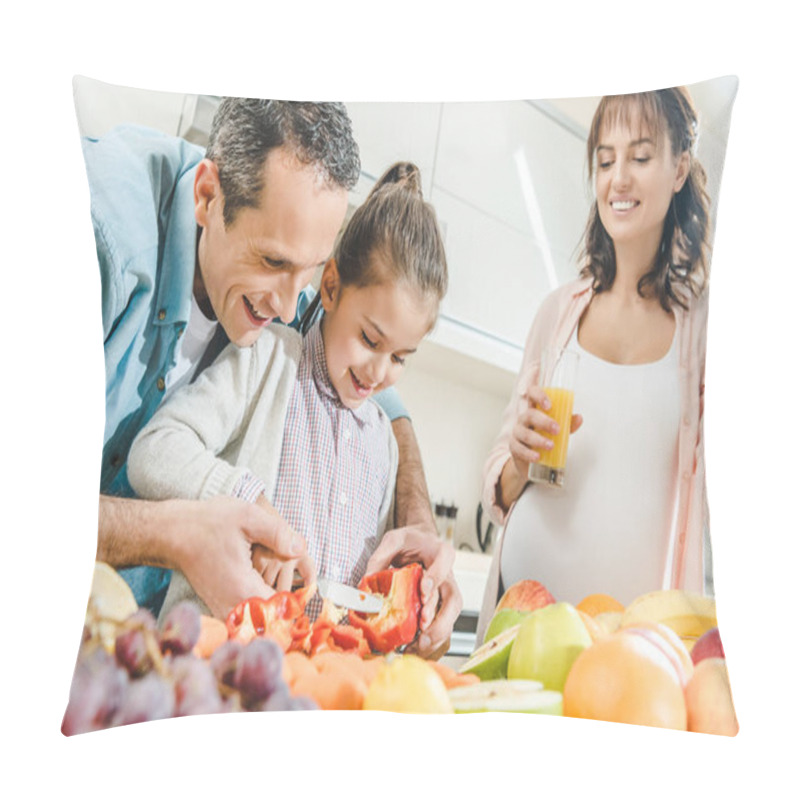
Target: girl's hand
[[279, 572]]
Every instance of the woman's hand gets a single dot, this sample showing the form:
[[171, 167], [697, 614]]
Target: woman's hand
[[530, 437]]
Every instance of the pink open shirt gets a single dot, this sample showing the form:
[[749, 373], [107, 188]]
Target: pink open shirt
[[554, 323]]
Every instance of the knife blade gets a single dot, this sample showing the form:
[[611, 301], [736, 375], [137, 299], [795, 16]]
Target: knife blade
[[341, 594]]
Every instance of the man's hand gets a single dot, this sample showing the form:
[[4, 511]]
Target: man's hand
[[217, 554], [276, 571], [211, 541], [441, 598]]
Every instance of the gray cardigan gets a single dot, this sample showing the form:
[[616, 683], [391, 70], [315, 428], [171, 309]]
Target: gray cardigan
[[230, 421]]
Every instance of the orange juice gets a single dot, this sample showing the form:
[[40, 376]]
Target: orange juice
[[561, 412]]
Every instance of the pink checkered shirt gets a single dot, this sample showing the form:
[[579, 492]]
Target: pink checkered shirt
[[333, 473]]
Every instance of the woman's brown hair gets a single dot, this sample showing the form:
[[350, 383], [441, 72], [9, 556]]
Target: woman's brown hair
[[681, 263]]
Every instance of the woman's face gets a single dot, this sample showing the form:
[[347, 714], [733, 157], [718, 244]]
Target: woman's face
[[636, 177]]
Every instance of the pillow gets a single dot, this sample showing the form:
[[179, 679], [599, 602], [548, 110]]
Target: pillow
[[637, 643]]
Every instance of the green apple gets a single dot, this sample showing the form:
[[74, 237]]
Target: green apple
[[506, 695], [502, 620], [548, 641], [490, 660]]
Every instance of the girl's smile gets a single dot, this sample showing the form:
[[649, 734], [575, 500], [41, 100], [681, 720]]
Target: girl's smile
[[368, 332]]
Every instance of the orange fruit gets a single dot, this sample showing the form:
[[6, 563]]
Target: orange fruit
[[627, 677], [599, 603], [213, 633]]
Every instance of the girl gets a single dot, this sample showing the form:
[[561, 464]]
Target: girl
[[631, 516], [290, 422]]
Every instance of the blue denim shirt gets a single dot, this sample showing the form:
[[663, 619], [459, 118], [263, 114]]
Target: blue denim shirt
[[141, 185]]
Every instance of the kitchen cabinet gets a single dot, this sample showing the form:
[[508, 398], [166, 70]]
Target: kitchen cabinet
[[100, 106], [508, 184]]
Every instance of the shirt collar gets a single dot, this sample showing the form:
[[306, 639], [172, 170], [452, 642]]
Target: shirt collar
[[180, 253], [314, 349]]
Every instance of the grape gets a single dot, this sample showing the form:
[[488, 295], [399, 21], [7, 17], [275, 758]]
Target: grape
[[132, 652], [148, 698], [303, 703], [223, 661], [258, 670], [181, 629], [97, 690], [142, 618], [279, 700], [195, 687]]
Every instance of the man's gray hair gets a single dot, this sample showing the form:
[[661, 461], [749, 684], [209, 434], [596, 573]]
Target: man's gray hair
[[245, 130]]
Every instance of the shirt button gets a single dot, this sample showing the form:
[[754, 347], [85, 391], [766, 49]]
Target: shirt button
[[160, 384], [162, 314], [343, 499]]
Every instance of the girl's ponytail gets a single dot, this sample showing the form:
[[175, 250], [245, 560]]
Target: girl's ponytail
[[394, 236]]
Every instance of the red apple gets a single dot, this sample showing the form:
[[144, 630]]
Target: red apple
[[525, 596], [709, 705], [709, 645]]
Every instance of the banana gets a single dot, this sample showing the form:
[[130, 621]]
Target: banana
[[689, 614]]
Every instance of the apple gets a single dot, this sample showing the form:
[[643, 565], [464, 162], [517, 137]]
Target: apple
[[547, 643], [504, 619], [490, 660], [709, 705], [709, 645], [505, 695], [525, 596]]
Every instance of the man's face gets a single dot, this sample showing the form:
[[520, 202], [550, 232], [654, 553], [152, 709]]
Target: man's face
[[254, 270]]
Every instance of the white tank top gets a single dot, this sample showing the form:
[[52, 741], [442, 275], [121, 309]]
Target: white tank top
[[607, 529]]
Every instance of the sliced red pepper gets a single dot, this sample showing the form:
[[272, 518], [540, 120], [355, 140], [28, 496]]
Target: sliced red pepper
[[281, 617], [397, 623], [329, 633]]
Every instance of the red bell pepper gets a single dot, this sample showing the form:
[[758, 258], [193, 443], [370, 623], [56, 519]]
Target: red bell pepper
[[397, 623], [281, 617], [328, 633]]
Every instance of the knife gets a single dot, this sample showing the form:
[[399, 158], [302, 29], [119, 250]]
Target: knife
[[349, 597]]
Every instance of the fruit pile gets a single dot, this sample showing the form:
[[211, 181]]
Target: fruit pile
[[658, 661], [130, 670], [265, 657]]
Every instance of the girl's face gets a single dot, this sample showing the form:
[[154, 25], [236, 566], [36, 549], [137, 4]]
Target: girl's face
[[368, 333], [636, 177]]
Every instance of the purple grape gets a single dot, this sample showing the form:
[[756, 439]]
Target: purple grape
[[303, 703], [181, 629], [148, 698], [132, 652], [142, 618], [196, 689], [223, 661], [279, 700], [97, 690], [258, 670]]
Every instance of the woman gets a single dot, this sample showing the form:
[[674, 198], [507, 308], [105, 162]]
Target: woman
[[631, 515]]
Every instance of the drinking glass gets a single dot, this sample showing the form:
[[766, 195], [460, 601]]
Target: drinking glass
[[559, 369]]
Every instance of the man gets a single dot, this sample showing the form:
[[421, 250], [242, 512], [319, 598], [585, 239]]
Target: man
[[195, 252]]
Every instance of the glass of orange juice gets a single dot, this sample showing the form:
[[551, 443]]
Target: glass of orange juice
[[559, 369]]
